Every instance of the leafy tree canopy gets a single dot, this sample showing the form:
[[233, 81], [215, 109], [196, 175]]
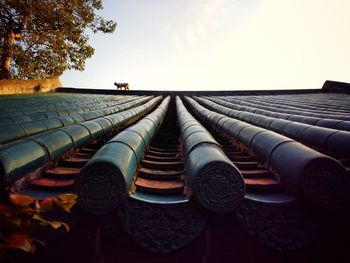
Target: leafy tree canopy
[[43, 38]]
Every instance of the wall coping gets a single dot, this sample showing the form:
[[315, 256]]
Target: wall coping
[[8, 87]]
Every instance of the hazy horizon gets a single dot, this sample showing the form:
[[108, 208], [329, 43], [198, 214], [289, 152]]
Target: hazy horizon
[[219, 45]]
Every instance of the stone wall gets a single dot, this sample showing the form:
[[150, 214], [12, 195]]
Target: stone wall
[[28, 86]]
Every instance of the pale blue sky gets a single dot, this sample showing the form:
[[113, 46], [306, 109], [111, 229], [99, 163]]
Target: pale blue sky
[[219, 44]]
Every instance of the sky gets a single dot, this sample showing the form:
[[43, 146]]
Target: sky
[[219, 45]]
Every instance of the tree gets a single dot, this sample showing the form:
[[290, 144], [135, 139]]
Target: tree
[[42, 39]]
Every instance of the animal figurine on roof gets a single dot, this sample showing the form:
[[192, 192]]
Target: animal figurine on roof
[[122, 86]]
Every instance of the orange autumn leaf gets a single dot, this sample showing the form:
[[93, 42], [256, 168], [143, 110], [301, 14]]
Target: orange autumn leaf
[[18, 241], [39, 218], [32, 249], [66, 226], [39, 242], [58, 224], [5, 210], [67, 207], [37, 206], [20, 200], [24, 210], [55, 224], [67, 197], [47, 204]]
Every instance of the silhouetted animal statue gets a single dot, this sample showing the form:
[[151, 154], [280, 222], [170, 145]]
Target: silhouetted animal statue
[[122, 86]]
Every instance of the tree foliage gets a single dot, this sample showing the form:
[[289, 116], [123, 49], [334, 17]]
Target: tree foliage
[[23, 217], [42, 39]]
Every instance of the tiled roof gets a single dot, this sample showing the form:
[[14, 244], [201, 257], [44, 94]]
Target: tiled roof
[[168, 163]]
